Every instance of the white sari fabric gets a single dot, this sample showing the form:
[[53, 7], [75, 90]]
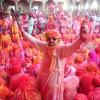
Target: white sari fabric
[[51, 84]]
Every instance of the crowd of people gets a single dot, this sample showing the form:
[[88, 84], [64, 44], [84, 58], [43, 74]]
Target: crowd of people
[[54, 57]]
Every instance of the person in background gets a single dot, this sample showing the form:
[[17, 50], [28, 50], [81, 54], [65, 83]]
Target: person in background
[[30, 24]]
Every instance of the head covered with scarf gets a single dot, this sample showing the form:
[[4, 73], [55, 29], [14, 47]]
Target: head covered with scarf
[[52, 33]]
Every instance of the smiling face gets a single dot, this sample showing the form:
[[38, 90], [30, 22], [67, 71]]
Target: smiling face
[[53, 37], [52, 41]]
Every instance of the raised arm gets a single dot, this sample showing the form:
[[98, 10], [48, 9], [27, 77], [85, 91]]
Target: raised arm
[[35, 41], [32, 39], [69, 49]]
